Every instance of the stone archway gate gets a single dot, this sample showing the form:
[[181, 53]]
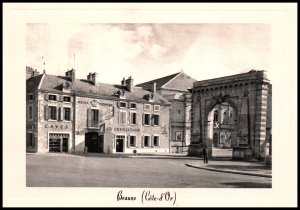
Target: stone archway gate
[[249, 95]]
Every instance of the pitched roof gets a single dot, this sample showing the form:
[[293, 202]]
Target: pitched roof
[[32, 83], [178, 81], [159, 82], [101, 90]]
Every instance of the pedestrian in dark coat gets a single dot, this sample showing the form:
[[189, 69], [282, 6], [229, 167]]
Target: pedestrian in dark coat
[[205, 154]]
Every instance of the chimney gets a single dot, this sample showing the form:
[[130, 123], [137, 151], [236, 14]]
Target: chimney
[[93, 79], [123, 82], [153, 87], [129, 84], [89, 76], [71, 75]]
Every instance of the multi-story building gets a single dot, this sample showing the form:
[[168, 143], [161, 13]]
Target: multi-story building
[[174, 88], [65, 114]]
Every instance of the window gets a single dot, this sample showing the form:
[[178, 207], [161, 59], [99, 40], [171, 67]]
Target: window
[[155, 119], [133, 118], [146, 119], [67, 114], [122, 117], [123, 104], [146, 141], [156, 141], [67, 99], [132, 141], [52, 112], [52, 97], [31, 97], [156, 107], [216, 115], [95, 117], [30, 139], [30, 112], [133, 105], [147, 107]]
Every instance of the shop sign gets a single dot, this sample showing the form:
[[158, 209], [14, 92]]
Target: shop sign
[[94, 103], [127, 129], [57, 126]]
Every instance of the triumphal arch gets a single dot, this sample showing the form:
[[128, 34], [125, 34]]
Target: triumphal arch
[[233, 112]]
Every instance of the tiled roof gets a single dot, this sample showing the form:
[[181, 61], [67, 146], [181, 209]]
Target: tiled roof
[[32, 83], [101, 90], [159, 82], [179, 81]]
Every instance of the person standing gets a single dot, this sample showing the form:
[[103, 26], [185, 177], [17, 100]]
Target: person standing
[[205, 154]]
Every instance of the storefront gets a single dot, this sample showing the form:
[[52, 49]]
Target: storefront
[[59, 142]]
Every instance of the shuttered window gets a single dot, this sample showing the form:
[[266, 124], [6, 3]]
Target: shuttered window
[[147, 119], [132, 118], [146, 141], [30, 112], [132, 141], [155, 119], [155, 141], [67, 113], [52, 112], [122, 117]]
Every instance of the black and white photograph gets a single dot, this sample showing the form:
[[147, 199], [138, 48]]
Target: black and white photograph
[[148, 112]]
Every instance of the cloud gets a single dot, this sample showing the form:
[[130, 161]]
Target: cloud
[[157, 51]]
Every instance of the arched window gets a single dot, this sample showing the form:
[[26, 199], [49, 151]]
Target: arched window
[[216, 115]]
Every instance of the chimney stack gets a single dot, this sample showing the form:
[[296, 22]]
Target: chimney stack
[[153, 87], [94, 75], [129, 84], [89, 76], [123, 82], [71, 74]]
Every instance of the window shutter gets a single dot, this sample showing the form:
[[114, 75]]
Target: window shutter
[[56, 109], [46, 114], [143, 119], [114, 141], [61, 99], [128, 141], [89, 117], [33, 140], [152, 141], [33, 96], [118, 104], [151, 119], [158, 141], [142, 142], [46, 96], [61, 110], [158, 117], [72, 100], [71, 114]]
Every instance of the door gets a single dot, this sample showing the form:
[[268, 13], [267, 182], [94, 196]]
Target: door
[[94, 142], [120, 143], [65, 144]]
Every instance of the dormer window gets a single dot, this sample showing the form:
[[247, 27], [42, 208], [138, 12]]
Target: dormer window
[[147, 107], [133, 105], [156, 108], [122, 104]]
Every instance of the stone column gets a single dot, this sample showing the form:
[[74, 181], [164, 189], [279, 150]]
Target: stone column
[[260, 121]]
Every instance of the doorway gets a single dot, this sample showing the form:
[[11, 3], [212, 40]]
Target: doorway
[[94, 142], [120, 143], [65, 145]]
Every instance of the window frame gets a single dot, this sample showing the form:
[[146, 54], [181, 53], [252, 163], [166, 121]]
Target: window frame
[[144, 120], [64, 113], [29, 95], [123, 107], [31, 140], [134, 104], [147, 105], [130, 122], [67, 97], [50, 113], [154, 120], [149, 140], [135, 144], [125, 118], [156, 110], [158, 142], [92, 119], [56, 97]]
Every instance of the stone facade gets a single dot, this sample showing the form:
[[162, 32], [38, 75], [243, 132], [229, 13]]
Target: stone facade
[[69, 115], [174, 88], [248, 94]]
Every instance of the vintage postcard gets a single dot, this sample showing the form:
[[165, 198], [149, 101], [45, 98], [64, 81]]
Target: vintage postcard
[[150, 105]]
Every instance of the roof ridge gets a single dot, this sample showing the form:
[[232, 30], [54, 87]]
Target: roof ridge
[[161, 78]]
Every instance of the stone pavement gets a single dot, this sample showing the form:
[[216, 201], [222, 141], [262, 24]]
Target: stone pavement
[[236, 167]]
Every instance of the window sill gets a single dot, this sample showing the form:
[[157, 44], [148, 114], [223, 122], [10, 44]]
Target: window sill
[[51, 120]]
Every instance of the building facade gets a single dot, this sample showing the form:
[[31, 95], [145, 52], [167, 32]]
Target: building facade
[[174, 88], [239, 105], [65, 114]]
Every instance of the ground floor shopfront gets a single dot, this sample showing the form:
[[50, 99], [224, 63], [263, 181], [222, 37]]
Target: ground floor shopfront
[[112, 140]]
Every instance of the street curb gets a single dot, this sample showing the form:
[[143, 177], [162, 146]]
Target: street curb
[[230, 171]]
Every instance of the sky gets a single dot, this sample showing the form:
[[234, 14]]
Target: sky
[[148, 51]]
